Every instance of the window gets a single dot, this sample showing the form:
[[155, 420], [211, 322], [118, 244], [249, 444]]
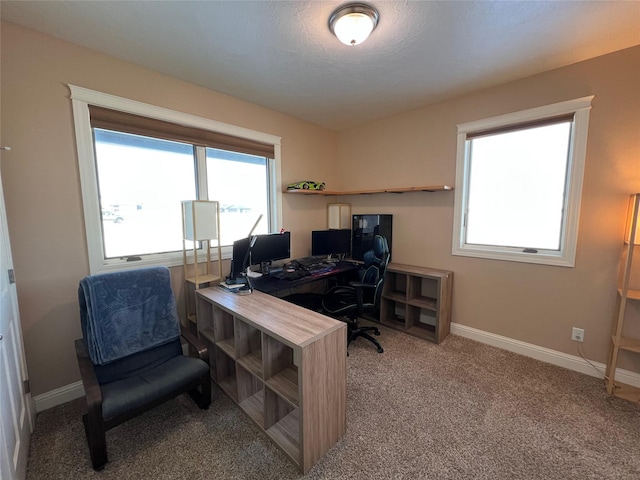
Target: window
[[141, 180], [240, 183], [519, 184], [138, 162]]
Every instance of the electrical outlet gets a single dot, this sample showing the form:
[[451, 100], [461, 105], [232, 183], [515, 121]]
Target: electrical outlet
[[577, 334]]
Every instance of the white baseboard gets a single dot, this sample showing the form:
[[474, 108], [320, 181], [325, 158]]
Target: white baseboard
[[58, 396], [75, 390], [571, 362]]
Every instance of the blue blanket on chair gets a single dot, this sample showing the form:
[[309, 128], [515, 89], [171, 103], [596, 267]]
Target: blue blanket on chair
[[127, 312]]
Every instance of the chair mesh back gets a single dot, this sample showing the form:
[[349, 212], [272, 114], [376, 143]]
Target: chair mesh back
[[370, 275]]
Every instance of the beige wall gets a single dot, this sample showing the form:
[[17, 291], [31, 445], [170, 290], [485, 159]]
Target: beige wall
[[532, 303], [42, 187]]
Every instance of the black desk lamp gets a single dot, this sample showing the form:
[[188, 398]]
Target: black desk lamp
[[243, 273]]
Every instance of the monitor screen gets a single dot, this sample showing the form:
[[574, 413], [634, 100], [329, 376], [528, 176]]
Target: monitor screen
[[330, 242], [240, 248], [270, 247]]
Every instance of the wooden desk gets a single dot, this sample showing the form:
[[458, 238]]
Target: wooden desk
[[285, 366], [272, 285]]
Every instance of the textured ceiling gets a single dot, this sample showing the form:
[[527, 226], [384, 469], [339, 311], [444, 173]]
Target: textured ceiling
[[281, 54]]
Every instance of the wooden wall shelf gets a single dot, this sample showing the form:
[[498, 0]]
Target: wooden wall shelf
[[426, 188]]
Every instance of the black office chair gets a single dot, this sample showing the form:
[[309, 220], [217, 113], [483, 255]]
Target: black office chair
[[363, 296]]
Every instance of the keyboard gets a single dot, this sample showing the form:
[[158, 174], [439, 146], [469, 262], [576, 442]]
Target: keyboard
[[291, 275], [309, 261]]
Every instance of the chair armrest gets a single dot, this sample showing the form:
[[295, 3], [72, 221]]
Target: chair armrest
[[88, 375], [198, 345], [359, 287], [342, 289]]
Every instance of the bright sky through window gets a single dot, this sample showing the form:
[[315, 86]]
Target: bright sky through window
[[142, 180], [516, 187]]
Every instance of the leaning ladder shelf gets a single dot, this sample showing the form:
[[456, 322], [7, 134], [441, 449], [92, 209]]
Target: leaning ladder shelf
[[620, 342]]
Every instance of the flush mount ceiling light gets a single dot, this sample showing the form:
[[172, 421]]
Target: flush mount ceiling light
[[353, 23]]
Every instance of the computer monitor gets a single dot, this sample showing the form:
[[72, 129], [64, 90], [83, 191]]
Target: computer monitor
[[270, 247], [330, 242], [266, 249], [239, 254]]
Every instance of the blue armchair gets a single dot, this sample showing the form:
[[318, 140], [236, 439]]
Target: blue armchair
[[130, 356]]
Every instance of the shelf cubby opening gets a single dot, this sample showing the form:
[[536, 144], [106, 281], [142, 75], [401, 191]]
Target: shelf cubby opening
[[228, 346], [204, 311], [251, 395], [394, 313], [280, 370], [223, 331], [425, 302], [226, 373], [423, 293], [282, 423], [207, 334], [421, 322], [248, 348], [397, 286], [222, 324]]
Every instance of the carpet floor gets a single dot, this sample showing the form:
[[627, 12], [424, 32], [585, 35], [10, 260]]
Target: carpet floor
[[458, 410]]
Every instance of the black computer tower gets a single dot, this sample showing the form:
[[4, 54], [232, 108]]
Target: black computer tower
[[363, 229]]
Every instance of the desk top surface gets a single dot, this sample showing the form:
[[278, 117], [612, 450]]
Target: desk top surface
[[271, 284], [291, 324]]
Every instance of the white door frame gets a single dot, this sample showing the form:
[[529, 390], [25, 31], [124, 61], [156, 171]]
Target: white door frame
[[16, 406]]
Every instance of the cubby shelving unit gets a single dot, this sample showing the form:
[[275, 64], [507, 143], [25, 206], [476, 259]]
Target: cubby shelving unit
[[626, 294], [285, 366], [417, 300]]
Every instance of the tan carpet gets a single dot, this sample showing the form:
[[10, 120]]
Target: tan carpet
[[458, 410]]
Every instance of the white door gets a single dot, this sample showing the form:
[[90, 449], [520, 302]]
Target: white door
[[16, 420]]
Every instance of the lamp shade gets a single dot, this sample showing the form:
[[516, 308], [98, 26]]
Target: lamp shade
[[632, 233], [339, 216], [353, 23], [200, 220]]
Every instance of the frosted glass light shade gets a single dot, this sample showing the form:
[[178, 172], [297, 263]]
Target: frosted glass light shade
[[353, 23], [200, 219]]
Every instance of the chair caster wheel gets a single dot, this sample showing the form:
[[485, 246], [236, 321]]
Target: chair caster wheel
[[380, 350]]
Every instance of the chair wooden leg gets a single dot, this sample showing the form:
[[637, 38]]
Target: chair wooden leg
[[202, 397], [97, 441], [206, 392]]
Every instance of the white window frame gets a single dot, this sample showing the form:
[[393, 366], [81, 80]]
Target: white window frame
[[81, 98], [565, 256]]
